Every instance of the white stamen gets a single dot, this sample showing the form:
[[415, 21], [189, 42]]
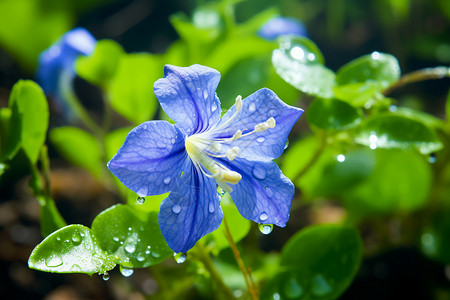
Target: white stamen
[[238, 103], [237, 135], [232, 153], [271, 122]]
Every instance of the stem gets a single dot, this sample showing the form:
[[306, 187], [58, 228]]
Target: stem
[[45, 165], [209, 265], [420, 75], [314, 158], [246, 272]]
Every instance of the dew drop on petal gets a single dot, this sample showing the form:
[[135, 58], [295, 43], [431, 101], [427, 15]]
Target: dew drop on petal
[[211, 208], [213, 106], [176, 208], [286, 145], [143, 190], [269, 192], [180, 257], [251, 107], [140, 200], [260, 139], [54, 260], [265, 228], [172, 141], [259, 172], [263, 216], [126, 272], [130, 248], [205, 94], [106, 276], [167, 180]]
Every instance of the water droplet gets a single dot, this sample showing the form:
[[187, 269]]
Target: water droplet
[[116, 239], [286, 145], [292, 289], [221, 191], [176, 208], [155, 254], [376, 55], [393, 108], [269, 192], [211, 208], [130, 248], [205, 94], [147, 252], [172, 141], [272, 113], [140, 200], [167, 180], [429, 245], [54, 260], [263, 216], [143, 191], [76, 238], [297, 53], [129, 228], [261, 139], [213, 106], [75, 268], [340, 158], [432, 158], [180, 257], [140, 258], [259, 172], [144, 126], [251, 107], [106, 276], [276, 296], [320, 286], [58, 238], [265, 228], [311, 56], [126, 272]]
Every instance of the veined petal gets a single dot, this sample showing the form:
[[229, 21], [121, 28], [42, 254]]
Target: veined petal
[[151, 159], [258, 108], [188, 96], [264, 194], [190, 211]]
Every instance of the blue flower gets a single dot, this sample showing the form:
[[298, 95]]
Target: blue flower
[[281, 26], [56, 64], [202, 150]]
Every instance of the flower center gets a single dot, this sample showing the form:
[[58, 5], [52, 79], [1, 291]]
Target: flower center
[[204, 150]]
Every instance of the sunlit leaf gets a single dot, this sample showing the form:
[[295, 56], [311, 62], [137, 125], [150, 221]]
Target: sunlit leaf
[[131, 90], [300, 63], [99, 67], [333, 114], [394, 131], [434, 241], [318, 262], [29, 120], [132, 236], [72, 249], [78, 147], [49, 217]]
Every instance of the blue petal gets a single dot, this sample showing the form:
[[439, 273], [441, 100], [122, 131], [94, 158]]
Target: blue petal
[[190, 211], [281, 26], [61, 56], [151, 160], [188, 96], [264, 194], [257, 108]]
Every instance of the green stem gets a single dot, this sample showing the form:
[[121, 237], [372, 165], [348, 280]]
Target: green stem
[[209, 265], [246, 272], [420, 75], [314, 158]]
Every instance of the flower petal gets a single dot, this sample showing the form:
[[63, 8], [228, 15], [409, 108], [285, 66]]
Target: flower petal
[[151, 159], [258, 108], [188, 96], [190, 211], [264, 194]]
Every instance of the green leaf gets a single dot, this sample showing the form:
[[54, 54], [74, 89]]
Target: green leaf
[[399, 182], [131, 90], [100, 67], [72, 249], [300, 63], [427, 119], [79, 148], [132, 236], [114, 140], [318, 262], [29, 120], [5, 119], [393, 131], [447, 107], [361, 78], [3, 168], [239, 227], [333, 114], [434, 241]]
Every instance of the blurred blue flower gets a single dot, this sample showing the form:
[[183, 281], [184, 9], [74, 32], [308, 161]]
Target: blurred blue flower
[[56, 64], [202, 150], [281, 26]]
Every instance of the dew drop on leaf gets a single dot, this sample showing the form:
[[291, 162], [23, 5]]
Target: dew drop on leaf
[[76, 238], [105, 276], [180, 257], [126, 272], [140, 200], [130, 248], [54, 260]]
